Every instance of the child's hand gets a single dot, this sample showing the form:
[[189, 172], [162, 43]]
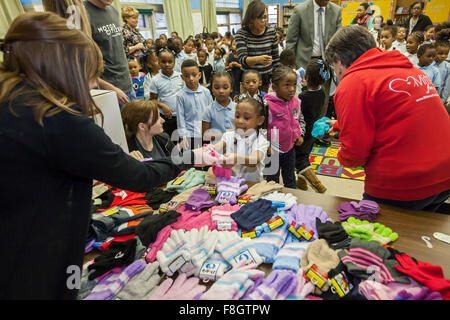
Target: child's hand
[[229, 160], [331, 123], [167, 112], [184, 144], [299, 141]]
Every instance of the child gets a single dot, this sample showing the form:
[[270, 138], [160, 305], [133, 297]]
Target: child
[[165, 86], [251, 81], [400, 42], [413, 41], [219, 65], [442, 49], [284, 129], [287, 58], [151, 70], [210, 46], [177, 45], [188, 52], [388, 34], [312, 99], [219, 117], [234, 67], [137, 77], [428, 34], [245, 148], [426, 54], [205, 68], [163, 39], [192, 102], [150, 43]]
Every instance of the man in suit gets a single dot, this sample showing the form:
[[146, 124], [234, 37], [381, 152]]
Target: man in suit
[[303, 34]]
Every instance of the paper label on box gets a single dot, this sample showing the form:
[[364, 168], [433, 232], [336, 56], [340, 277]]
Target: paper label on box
[[178, 181], [248, 234], [293, 230], [224, 226], [175, 265], [109, 212], [275, 222], [316, 277], [209, 271], [305, 232], [245, 198], [245, 256], [341, 285]]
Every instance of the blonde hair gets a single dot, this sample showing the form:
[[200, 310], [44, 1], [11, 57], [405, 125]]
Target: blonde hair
[[129, 12], [60, 7], [138, 111], [50, 65]]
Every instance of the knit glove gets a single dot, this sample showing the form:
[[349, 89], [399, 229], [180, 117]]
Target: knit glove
[[268, 244], [371, 260], [117, 255], [288, 199], [320, 127], [304, 287], [262, 188], [174, 253], [425, 273], [228, 189], [201, 245], [235, 283], [235, 249], [333, 233], [141, 285], [198, 200], [214, 267], [183, 288], [289, 256], [154, 247], [158, 196], [221, 217], [148, 229], [317, 261], [369, 231], [424, 294], [111, 284], [178, 200], [277, 286], [301, 214], [364, 210], [253, 214]]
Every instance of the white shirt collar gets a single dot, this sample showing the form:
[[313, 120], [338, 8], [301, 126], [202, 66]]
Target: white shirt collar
[[316, 6]]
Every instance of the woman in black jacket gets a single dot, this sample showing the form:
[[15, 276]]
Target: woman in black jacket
[[417, 21], [51, 152]]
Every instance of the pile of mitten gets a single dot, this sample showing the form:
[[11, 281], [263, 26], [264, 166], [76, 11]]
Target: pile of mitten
[[188, 243]]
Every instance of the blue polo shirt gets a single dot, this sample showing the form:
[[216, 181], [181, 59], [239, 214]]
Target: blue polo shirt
[[221, 118], [191, 105], [167, 89]]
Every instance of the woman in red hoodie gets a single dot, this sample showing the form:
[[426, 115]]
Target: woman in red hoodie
[[391, 122]]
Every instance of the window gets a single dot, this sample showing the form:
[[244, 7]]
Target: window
[[160, 24], [272, 11], [228, 21], [227, 4], [144, 25]]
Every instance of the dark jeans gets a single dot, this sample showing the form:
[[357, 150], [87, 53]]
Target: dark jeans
[[428, 204], [287, 167], [302, 153]]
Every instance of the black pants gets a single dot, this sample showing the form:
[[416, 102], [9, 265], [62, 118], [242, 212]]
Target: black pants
[[169, 126], [302, 152], [287, 167], [428, 204]]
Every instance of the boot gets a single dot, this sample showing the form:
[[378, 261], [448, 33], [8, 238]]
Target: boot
[[301, 183], [310, 175]]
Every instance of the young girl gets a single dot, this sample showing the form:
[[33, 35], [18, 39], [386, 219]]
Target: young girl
[[426, 55], [137, 77], [413, 41], [219, 117], [428, 34], [246, 147], [400, 42], [205, 68], [188, 52], [219, 65], [177, 45], [251, 82], [442, 50], [151, 69], [210, 46], [233, 66], [284, 128], [312, 98], [388, 34], [165, 86]]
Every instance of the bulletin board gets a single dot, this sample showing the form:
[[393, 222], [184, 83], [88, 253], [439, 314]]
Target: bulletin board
[[384, 8], [438, 10]]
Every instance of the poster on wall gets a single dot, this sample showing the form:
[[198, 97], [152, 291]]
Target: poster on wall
[[438, 10], [380, 7]]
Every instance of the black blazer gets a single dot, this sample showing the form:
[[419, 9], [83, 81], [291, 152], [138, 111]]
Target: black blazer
[[422, 22], [208, 70], [163, 139], [47, 174]]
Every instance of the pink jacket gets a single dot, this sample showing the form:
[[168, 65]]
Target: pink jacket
[[283, 116]]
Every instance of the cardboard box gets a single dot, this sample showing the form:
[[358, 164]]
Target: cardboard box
[[112, 123]]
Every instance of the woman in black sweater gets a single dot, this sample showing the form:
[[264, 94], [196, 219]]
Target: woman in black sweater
[[52, 151], [417, 21]]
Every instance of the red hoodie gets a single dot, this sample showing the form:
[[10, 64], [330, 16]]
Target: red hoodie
[[395, 126]]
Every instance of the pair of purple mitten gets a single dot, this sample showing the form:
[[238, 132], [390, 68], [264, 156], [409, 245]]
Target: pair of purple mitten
[[364, 210]]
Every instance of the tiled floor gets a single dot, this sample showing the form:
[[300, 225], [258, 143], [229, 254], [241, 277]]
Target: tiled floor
[[347, 188]]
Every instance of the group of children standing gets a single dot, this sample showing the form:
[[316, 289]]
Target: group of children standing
[[427, 50], [223, 106]]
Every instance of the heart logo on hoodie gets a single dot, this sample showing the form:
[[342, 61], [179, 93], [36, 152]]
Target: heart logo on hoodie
[[407, 85]]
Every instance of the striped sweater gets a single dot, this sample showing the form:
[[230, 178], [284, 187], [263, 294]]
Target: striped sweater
[[250, 45]]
